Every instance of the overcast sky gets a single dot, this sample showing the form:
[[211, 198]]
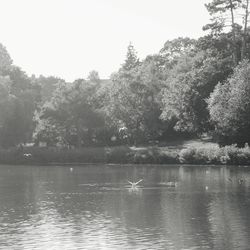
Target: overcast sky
[[69, 38]]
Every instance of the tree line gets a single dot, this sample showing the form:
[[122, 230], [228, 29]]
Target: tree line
[[190, 87]]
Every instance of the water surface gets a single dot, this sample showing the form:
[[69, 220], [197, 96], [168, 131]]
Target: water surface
[[93, 207]]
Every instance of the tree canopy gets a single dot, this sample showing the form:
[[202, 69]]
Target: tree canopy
[[229, 106], [190, 87]]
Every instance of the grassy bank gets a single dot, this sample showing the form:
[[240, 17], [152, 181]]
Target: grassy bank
[[119, 155], [192, 152]]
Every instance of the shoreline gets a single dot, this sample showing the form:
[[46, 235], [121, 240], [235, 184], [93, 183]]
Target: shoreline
[[125, 155], [85, 164]]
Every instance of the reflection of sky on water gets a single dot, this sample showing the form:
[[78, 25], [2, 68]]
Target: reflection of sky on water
[[94, 207]]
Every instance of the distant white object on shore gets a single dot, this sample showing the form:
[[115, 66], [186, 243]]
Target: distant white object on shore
[[27, 155], [172, 184]]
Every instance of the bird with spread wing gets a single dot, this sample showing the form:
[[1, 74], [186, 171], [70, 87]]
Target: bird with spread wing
[[134, 184]]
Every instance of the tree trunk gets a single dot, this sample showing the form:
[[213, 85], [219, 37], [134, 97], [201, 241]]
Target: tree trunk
[[244, 38], [235, 57], [78, 135]]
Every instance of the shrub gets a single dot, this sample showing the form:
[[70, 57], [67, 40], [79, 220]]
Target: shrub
[[200, 155], [229, 155], [236, 156]]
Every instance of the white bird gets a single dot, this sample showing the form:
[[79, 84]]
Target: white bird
[[133, 184], [27, 155], [172, 184], [71, 169]]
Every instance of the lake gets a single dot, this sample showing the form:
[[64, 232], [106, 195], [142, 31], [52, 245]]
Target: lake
[[94, 207]]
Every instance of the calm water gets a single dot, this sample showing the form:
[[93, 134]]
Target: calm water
[[92, 207]]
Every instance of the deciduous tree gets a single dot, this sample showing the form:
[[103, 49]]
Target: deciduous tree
[[229, 107]]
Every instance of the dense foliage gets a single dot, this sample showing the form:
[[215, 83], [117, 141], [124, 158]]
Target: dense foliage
[[229, 106], [191, 87]]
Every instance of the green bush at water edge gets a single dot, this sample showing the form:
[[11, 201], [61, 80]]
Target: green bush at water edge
[[228, 155]]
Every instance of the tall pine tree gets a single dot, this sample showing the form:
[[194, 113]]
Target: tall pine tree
[[219, 9], [131, 60]]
